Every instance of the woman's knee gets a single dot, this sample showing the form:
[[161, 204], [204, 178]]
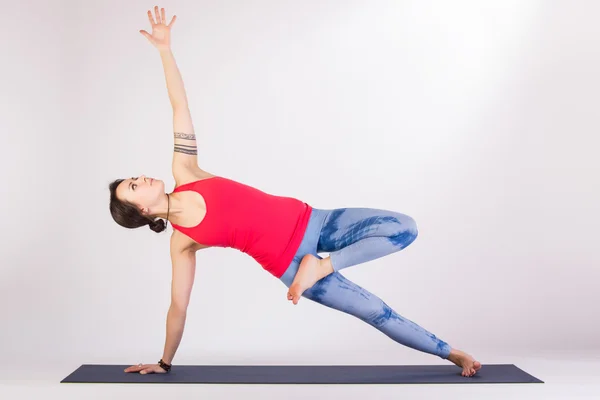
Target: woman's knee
[[408, 223], [405, 231]]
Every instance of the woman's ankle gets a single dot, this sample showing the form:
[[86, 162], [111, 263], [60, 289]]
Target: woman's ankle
[[326, 264]]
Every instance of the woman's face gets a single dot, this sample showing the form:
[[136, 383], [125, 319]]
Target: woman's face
[[142, 191]]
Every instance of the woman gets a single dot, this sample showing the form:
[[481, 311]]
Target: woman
[[283, 234]]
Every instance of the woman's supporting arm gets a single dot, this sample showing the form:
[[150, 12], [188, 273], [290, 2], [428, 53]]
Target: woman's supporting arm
[[184, 271], [175, 326]]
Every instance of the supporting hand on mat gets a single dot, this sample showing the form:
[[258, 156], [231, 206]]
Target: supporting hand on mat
[[146, 369], [161, 32]]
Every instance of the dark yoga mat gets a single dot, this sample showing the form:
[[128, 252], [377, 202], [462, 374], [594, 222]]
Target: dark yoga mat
[[316, 374]]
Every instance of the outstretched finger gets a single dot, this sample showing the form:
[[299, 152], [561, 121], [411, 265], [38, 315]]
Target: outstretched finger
[[133, 368], [162, 16], [158, 21], [148, 36], [172, 20], [150, 18]]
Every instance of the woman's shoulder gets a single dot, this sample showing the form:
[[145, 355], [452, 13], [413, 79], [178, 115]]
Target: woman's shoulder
[[189, 175]]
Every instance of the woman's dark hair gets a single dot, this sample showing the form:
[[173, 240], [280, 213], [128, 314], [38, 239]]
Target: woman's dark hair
[[128, 215]]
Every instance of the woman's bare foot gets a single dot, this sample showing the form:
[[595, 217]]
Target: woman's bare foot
[[465, 361], [311, 270]]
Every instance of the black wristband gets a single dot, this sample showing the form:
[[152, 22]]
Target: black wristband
[[164, 365]]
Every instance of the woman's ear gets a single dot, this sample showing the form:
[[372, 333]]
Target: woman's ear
[[144, 211]]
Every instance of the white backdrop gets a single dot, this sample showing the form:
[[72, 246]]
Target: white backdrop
[[478, 119]]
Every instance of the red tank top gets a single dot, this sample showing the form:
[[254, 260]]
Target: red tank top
[[269, 228]]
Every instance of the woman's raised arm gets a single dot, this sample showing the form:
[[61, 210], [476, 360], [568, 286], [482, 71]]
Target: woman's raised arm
[[185, 152], [161, 39]]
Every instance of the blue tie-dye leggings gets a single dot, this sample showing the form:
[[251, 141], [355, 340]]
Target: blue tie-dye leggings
[[352, 236]]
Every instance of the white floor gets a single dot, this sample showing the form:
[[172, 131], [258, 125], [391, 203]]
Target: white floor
[[565, 378]]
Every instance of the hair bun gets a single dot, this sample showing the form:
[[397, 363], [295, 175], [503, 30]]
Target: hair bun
[[158, 225]]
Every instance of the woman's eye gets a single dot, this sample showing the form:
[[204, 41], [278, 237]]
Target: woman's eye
[[133, 186]]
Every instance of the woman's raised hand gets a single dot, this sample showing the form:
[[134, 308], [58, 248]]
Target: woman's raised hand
[[161, 32]]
